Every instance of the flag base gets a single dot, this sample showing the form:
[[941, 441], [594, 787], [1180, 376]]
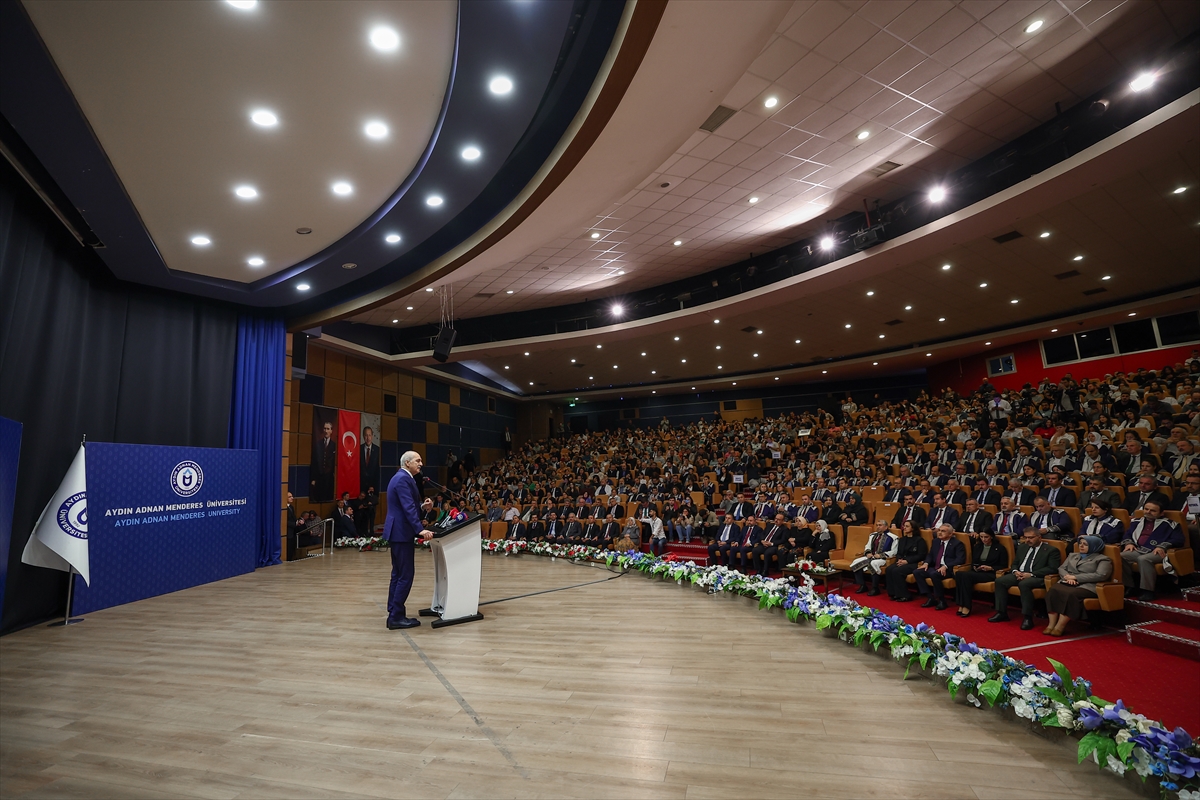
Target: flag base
[[62, 623]]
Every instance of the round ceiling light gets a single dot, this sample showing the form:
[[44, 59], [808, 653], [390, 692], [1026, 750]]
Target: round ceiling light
[[937, 194], [863, 135], [342, 188], [302, 287], [350, 265], [1044, 235], [500, 85], [1143, 81], [384, 39], [375, 129], [392, 238], [595, 235], [471, 153], [433, 201], [827, 243], [753, 200], [255, 261], [263, 118], [1034, 26], [771, 102], [242, 5], [246, 192], [678, 242], [201, 241]]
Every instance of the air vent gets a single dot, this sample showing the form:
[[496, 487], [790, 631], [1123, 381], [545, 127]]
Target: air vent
[[749, 329], [884, 168], [893, 322], [717, 118], [1071, 273], [1097, 290], [1008, 237], [486, 295]]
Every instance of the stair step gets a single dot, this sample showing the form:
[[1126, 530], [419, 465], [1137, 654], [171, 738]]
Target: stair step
[[1192, 594], [1179, 612], [1166, 637]]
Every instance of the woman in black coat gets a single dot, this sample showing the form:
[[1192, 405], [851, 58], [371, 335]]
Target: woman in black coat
[[988, 557], [911, 550]]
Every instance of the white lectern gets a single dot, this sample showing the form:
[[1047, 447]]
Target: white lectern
[[457, 563]]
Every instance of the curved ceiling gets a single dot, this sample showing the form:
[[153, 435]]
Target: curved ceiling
[[170, 89]]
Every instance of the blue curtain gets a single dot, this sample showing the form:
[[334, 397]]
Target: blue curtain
[[256, 419]]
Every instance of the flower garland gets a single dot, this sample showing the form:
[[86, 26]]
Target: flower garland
[[362, 542], [1114, 737]]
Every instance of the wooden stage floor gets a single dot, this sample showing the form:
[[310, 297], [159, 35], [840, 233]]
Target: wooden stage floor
[[285, 683]]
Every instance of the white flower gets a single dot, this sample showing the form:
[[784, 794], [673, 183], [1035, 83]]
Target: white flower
[[1188, 794], [1065, 717], [1141, 762], [1022, 708], [1124, 736], [1115, 765]]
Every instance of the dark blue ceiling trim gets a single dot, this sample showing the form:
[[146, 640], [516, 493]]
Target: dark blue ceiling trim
[[552, 50]]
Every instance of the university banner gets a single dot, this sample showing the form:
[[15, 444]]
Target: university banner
[[161, 519], [348, 453]]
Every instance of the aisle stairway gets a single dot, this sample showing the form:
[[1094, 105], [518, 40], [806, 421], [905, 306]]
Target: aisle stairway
[[696, 551], [1171, 626]]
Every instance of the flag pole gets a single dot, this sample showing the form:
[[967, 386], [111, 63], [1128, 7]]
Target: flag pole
[[67, 618]]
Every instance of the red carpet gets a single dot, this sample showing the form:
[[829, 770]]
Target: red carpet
[[1159, 685]]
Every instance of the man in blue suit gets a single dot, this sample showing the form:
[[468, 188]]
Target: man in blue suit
[[400, 529], [946, 553]]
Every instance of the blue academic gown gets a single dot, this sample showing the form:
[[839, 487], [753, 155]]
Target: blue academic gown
[[402, 526]]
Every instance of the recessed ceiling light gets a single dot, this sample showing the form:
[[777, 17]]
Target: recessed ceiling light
[[1034, 26], [242, 5], [392, 238], [771, 102], [526, 352], [434, 201], [824, 372], [255, 261], [429, 288], [874, 363], [870, 294], [620, 272], [847, 324], [342, 188], [1077, 258], [941, 319], [908, 308], [375, 129], [983, 285], [263, 118], [572, 361], [531, 383], [678, 242], [618, 310], [595, 235], [882, 335], [395, 321], [937, 194], [201, 241], [759, 332], [797, 341], [756, 355], [653, 372], [716, 321], [863, 135], [509, 291], [719, 366], [677, 338], [945, 266], [827, 243], [591, 377], [1054, 330], [500, 85], [1044, 235], [735, 383], [718, 347], [1133, 313], [614, 366], [753, 200], [1143, 81], [927, 355], [1106, 278], [246, 192], [599, 346], [693, 387], [987, 344], [302, 287], [643, 354], [653, 391], [506, 366], [1180, 190], [471, 153], [384, 39], [1014, 301], [408, 308]]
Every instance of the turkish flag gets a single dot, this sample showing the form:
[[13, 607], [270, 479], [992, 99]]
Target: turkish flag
[[347, 460]]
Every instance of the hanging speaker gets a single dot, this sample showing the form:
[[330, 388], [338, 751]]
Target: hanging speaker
[[443, 343]]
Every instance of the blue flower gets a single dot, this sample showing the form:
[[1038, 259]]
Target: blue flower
[[922, 628], [1181, 739], [1090, 719], [1113, 713]]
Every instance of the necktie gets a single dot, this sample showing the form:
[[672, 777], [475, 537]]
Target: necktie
[[908, 514], [1147, 531], [1004, 523], [1053, 494], [1142, 502], [1029, 556], [971, 522]]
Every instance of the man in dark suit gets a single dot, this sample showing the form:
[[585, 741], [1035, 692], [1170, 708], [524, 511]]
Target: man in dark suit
[[770, 544], [1052, 522], [1097, 490], [1019, 494], [368, 461], [941, 513], [728, 536], [554, 527], [572, 531], [1054, 491], [744, 550], [1145, 546], [1009, 521], [909, 511], [896, 492], [591, 533], [984, 494], [610, 531], [400, 528], [537, 529], [974, 519], [517, 530], [954, 494], [1034, 560], [742, 508], [1147, 492], [1129, 460], [322, 465], [946, 553]]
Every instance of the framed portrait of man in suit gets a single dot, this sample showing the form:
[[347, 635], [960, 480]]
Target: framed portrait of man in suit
[[323, 462], [368, 453]]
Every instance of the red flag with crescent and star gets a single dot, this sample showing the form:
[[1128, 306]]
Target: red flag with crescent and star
[[347, 460]]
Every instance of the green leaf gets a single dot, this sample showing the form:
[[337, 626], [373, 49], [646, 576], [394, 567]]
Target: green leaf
[[1106, 748], [877, 639], [1088, 744], [1064, 673], [1124, 750], [859, 635], [824, 621], [1051, 721], [1099, 701], [762, 601], [991, 691], [793, 613], [953, 687], [924, 658], [1055, 695]]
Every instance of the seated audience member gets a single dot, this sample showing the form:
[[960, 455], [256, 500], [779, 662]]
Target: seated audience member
[[591, 533], [988, 557], [853, 513], [681, 526], [881, 545], [823, 541], [554, 528], [537, 529], [946, 553], [630, 537], [705, 524], [1147, 491], [1010, 521], [941, 513], [1184, 505], [797, 540], [658, 535], [1145, 546], [910, 511], [1055, 493], [343, 521], [975, 519], [1018, 494], [910, 552], [743, 550], [1052, 522], [728, 535], [806, 511], [517, 530], [1033, 561], [1100, 522], [772, 544], [1078, 576], [610, 532]]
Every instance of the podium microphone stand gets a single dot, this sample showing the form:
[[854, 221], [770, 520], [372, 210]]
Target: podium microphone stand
[[457, 564]]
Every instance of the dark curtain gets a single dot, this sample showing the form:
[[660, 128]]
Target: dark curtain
[[84, 354], [256, 419]]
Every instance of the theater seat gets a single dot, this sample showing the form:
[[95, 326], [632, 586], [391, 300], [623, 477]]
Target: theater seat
[[856, 542], [1110, 595], [1182, 559]]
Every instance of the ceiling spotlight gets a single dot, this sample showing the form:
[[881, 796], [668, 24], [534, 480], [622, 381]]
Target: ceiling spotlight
[[771, 102], [653, 391], [643, 354], [572, 361], [827, 243], [375, 129], [1077, 258], [653, 372], [908, 308], [1014, 301], [531, 383], [927, 355], [620, 272], [735, 383], [242, 5], [870, 294], [776, 377], [759, 332], [302, 287], [753, 200], [874, 363], [1180, 190], [983, 285], [693, 387], [384, 39], [1106, 278], [201, 241], [433, 201], [756, 355], [882, 335], [408, 308], [392, 238], [1044, 235], [429, 288], [797, 341], [824, 372], [599, 346], [617, 310], [500, 85], [591, 377], [863, 135], [719, 366], [847, 324], [263, 118], [506, 366], [471, 153], [678, 242], [987, 344], [677, 338], [1054, 330], [395, 321], [716, 321], [614, 366], [945, 266], [1034, 26], [1143, 81], [342, 188], [1133, 313], [526, 352], [937, 194], [941, 319], [595, 235], [246, 192], [255, 261], [718, 347]]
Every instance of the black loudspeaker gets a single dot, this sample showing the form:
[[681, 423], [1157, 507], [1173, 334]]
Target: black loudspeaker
[[443, 343], [300, 352]]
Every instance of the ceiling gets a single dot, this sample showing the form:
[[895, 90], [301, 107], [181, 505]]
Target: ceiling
[[935, 85], [169, 89]]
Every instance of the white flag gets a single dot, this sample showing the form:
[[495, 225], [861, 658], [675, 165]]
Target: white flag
[[59, 539]]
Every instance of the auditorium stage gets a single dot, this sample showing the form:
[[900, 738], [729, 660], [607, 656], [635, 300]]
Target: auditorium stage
[[285, 683]]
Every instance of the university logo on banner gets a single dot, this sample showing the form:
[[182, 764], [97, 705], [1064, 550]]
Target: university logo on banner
[[348, 449], [60, 537]]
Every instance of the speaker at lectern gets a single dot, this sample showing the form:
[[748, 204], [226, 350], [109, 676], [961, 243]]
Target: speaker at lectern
[[457, 563]]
